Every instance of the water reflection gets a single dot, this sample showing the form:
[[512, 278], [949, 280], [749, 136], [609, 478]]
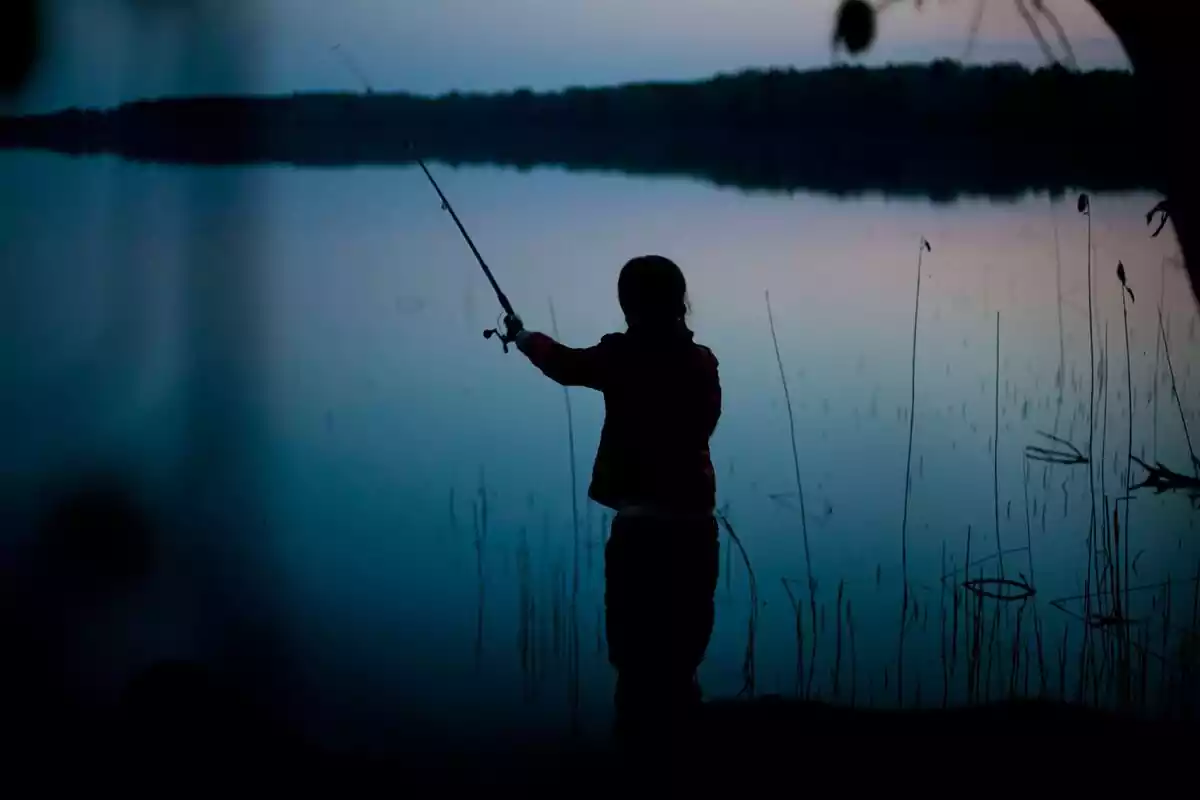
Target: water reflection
[[369, 423]]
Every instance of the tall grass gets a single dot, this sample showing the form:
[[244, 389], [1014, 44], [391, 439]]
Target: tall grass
[[573, 615], [1060, 379], [837, 659], [526, 617], [798, 616], [1175, 393], [922, 248], [1028, 526], [812, 584], [1125, 290], [1104, 390], [912, 402], [479, 517], [749, 662], [1085, 208], [996, 457], [1162, 290], [853, 654]]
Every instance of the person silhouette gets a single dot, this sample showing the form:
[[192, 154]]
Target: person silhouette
[[653, 467]]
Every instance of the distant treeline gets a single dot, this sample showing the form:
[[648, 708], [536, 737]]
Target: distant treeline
[[939, 130]]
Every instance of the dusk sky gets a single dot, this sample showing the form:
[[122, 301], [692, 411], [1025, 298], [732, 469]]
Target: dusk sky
[[104, 51]]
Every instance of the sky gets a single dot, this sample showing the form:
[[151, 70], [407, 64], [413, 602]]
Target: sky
[[102, 52]]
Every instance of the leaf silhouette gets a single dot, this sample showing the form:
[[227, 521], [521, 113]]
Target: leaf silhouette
[[855, 28], [1132, 299], [1084, 204], [1121, 272], [928, 248], [1160, 208]]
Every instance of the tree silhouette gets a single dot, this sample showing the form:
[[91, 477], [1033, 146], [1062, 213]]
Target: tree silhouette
[[1159, 37]]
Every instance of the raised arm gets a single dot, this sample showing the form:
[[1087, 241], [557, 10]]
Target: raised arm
[[568, 366]]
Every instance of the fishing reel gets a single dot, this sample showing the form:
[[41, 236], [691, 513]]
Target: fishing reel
[[504, 340], [497, 331]]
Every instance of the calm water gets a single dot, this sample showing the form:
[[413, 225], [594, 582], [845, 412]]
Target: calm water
[[289, 368]]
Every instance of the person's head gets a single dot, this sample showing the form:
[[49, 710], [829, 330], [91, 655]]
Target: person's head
[[652, 292]]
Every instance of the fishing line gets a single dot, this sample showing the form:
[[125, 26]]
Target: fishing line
[[352, 67]]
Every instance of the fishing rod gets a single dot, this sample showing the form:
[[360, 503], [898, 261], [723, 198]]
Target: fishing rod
[[349, 63], [487, 271], [500, 295]]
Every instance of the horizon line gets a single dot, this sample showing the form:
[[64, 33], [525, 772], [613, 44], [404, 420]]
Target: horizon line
[[372, 91]]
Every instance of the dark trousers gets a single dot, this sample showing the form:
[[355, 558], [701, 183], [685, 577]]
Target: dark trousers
[[660, 578]]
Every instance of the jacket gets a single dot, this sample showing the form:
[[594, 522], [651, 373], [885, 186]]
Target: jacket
[[662, 401]]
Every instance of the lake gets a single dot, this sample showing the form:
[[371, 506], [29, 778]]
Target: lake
[[358, 493]]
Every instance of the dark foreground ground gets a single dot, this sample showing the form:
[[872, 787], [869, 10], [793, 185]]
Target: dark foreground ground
[[177, 731]]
